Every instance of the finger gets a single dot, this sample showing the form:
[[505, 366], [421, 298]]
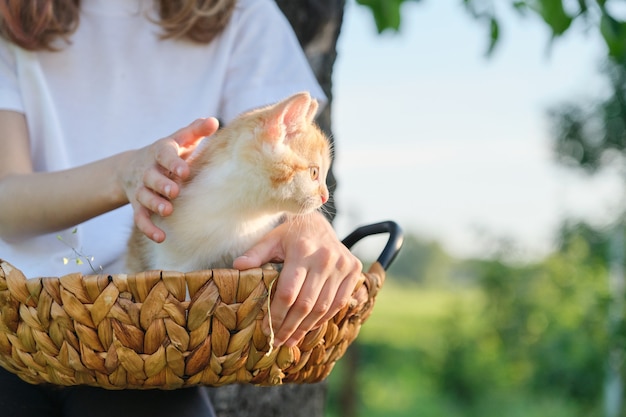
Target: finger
[[287, 289], [145, 225], [322, 306], [169, 150], [341, 299], [349, 268], [335, 295], [189, 136], [266, 250], [154, 180], [313, 302], [296, 337], [311, 306], [153, 202], [168, 158]]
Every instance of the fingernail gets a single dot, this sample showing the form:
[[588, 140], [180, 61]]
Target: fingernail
[[161, 208], [167, 190], [179, 171]]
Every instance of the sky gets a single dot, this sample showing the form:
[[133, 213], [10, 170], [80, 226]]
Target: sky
[[456, 146]]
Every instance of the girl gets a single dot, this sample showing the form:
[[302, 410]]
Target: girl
[[87, 88]]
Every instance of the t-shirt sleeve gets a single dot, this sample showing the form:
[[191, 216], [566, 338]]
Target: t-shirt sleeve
[[266, 63], [10, 97]]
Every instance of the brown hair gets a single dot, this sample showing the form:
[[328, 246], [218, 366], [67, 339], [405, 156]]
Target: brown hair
[[35, 24]]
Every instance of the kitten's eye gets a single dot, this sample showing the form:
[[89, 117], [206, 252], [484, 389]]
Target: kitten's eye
[[315, 172]]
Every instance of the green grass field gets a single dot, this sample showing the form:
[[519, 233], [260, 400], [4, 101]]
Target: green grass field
[[399, 355], [394, 349], [408, 317]]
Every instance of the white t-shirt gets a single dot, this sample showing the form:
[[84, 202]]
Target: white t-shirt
[[118, 86]]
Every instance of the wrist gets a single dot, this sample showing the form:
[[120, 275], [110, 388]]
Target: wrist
[[120, 165]]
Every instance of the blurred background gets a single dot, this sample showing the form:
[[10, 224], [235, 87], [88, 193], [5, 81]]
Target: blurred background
[[494, 133]]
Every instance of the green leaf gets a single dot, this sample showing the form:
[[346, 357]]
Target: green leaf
[[520, 6], [386, 13], [485, 14], [494, 35], [614, 34], [554, 14]]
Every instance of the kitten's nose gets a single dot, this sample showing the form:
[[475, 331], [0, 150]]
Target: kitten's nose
[[324, 198]]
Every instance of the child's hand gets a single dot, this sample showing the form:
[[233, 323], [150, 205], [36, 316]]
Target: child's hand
[[152, 175], [317, 280]]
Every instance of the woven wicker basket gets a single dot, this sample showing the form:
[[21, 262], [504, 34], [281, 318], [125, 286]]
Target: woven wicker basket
[[139, 331]]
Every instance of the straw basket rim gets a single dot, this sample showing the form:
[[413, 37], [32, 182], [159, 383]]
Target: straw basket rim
[[140, 331], [168, 329]]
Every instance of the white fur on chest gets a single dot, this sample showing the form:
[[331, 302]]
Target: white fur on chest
[[216, 219]]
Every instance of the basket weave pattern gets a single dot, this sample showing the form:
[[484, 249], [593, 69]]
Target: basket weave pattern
[[142, 330]]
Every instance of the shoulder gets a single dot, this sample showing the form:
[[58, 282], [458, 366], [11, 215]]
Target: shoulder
[[259, 27], [7, 56], [265, 6], [10, 97], [257, 13]]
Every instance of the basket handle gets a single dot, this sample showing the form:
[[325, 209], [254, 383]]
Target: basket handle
[[391, 249]]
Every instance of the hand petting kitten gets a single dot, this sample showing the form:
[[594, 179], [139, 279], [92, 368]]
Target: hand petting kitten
[[153, 174]]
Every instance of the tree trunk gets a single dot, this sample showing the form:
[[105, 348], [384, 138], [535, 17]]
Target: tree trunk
[[317, 24]]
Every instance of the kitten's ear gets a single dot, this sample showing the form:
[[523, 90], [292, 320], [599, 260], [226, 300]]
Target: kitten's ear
[[289, 115], [312, 111]]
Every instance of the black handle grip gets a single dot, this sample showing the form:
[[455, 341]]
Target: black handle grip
[[394, 243]]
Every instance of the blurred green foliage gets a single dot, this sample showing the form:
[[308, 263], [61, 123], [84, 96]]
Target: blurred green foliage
[[601, 16], [493, 337], [500, 338], [592, 135], [421, 262]]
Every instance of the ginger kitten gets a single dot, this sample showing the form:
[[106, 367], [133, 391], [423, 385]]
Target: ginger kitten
[[266, 164]]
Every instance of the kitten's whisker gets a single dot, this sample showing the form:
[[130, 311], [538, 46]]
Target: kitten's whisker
[[295, 220], [306, 220], [327, 211]]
